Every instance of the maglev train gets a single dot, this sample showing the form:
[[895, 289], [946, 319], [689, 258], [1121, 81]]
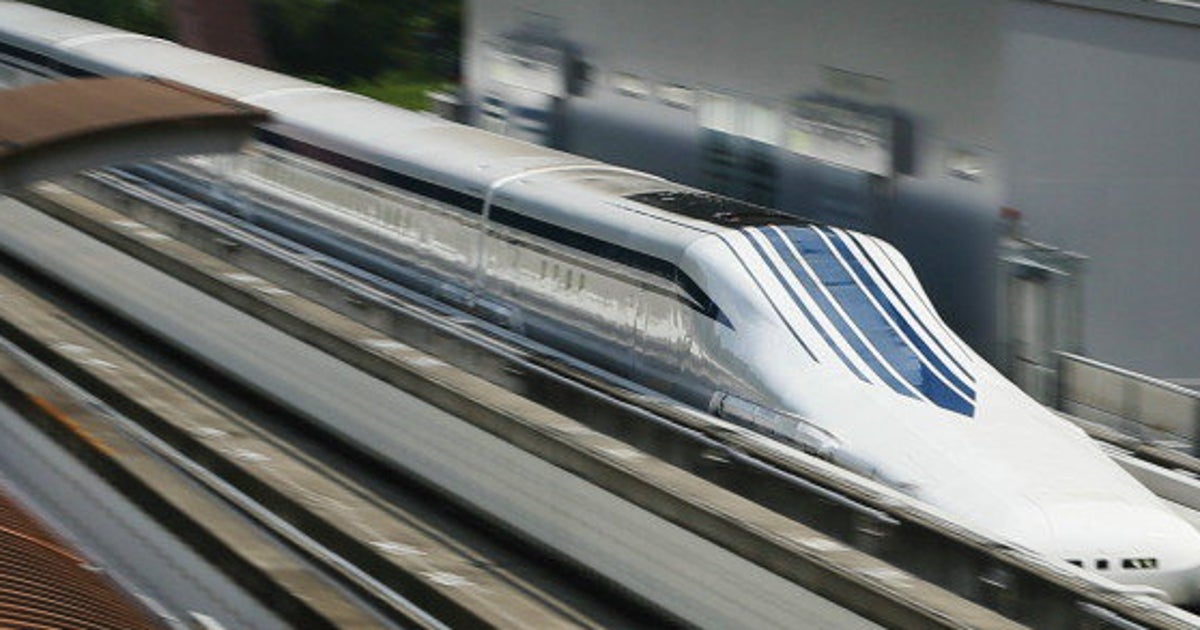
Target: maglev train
[[819, 335]]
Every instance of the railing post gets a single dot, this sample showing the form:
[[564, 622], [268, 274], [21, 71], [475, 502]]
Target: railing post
[[1131, 407], [1060, 371], [1195, 427]]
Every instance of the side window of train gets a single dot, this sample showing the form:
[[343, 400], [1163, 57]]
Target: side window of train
[[564, 277], [552, 274]]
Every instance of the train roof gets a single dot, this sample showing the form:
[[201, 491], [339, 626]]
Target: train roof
[[48, 27]]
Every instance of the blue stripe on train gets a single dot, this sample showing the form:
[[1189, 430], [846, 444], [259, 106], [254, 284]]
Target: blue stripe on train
[[822, 268], [914, 339], [862, 315], [803, 309], [907, 308]]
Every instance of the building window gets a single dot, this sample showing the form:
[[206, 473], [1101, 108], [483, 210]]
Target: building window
[[718, 113], [738, 147], [762, 123], [630, 85], [677, 96]]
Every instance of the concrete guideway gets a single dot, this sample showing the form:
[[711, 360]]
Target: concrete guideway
[[65, 126], [460, 589], [265, 288], [118, 537], [740, 598], [252, 558], [1016, 581]]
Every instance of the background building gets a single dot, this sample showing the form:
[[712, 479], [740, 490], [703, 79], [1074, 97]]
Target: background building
[[920, 120]]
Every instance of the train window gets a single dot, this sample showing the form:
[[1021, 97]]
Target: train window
[[1139, 563], [1078, 563], [1102, 565]]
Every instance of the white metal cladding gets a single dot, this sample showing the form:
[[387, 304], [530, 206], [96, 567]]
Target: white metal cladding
[[47, 27]]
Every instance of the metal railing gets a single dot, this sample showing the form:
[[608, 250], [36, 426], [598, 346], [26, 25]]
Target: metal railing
[[1141, 406]]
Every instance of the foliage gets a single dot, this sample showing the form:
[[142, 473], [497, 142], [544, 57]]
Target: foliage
[[357, 40], [399, 88], [142, 16], [386, 49]]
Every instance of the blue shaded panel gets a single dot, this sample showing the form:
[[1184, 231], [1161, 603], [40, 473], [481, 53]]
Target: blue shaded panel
[[931, 357], [855, 261], [892, 346], [884, 337], [844, 327]]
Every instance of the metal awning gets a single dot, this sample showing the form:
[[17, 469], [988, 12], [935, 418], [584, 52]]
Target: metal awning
[[62, 127]]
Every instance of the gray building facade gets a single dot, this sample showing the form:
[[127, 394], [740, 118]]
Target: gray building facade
[[918, 120]]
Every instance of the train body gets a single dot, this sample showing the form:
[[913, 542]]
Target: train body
[[818, 335]]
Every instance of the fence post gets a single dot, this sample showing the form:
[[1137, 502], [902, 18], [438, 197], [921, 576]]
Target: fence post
[[1195, 426], [1060, 377]]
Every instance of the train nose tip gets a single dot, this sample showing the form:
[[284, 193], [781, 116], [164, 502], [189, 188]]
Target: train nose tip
[[1134, 545]]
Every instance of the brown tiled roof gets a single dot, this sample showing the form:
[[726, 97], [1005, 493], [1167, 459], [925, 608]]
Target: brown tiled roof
[[48, 114], [44, 583], [57, 128]]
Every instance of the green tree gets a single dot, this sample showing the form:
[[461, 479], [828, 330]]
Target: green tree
[[142, 16], [348, 40], [390, 50]]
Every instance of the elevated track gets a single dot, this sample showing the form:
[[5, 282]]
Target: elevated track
[[867, 516]]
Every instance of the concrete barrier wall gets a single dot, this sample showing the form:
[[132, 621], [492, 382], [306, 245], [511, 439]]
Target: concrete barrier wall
[[1135, 404]]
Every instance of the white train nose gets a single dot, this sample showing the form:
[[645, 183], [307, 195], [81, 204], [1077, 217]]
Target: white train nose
[[1133, 543]]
